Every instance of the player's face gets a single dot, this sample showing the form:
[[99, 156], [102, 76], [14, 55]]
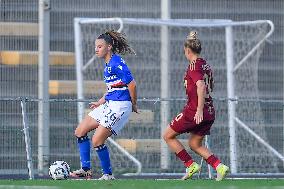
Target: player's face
[[102, 48], [188, 53]]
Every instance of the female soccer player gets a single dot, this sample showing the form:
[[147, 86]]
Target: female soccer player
[[198, 114], [111, 112]]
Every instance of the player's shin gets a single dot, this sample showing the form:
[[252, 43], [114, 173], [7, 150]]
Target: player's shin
[[185, 158], [84, 148], [103, 154], [191, 166], [213, 161], [222, 170]]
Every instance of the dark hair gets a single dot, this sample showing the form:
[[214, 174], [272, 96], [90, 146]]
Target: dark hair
[[193, 42], [118, 42]]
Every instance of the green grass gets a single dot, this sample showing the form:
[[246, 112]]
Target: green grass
[[143, 184]]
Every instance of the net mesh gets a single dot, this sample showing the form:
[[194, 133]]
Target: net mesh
[[142, 138]]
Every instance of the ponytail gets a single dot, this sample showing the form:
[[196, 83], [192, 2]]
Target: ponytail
[[118, 42], [193, 42]]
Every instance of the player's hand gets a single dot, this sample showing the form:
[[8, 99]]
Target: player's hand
[[94, 105], [198, 116], [134, 108]]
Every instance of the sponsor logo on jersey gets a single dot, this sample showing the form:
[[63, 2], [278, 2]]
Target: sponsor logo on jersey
[[205, 67], [110, 77]]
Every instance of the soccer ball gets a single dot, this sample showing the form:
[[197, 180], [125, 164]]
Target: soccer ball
[[59, 170]]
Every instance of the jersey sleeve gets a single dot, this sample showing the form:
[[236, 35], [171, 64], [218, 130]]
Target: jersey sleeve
[[123, 73], [196, 73]]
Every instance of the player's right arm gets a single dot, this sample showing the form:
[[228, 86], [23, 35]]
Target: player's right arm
[[102, 100]]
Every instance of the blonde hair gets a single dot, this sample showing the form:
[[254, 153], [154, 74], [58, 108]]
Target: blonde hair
[[193, 42]]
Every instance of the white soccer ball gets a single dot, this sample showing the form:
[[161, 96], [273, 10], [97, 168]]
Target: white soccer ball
[[59, 170]]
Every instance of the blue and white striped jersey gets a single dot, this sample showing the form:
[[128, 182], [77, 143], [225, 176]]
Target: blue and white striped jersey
[[116, 77]]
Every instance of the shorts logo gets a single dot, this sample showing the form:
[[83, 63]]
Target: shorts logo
[[179, 116]]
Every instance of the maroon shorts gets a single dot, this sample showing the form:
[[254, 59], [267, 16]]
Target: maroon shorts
[[182, 124]]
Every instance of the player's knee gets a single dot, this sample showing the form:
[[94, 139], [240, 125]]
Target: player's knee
[[167, 136], [194, 145], [76, 132], [79, 132], [96, 142]]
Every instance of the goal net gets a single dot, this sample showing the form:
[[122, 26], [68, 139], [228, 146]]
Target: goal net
[[233, 49]]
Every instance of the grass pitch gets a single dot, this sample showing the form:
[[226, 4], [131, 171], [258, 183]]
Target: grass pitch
[[143, 184]]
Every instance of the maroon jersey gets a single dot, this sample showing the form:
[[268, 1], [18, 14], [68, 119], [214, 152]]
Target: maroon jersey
[[199, 70]]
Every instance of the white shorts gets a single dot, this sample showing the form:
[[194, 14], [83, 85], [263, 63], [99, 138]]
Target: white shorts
[[112, 115]]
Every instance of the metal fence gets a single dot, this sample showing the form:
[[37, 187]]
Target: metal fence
[[19, 77], [141, 138]]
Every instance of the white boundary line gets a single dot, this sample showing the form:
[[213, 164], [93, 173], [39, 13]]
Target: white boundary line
[[27, 187]]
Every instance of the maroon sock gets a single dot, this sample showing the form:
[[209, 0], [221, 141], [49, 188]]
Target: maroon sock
[[213, 161], [185, 157]]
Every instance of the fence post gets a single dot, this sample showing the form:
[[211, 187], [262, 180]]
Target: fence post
[[43, 86], [27, 138]]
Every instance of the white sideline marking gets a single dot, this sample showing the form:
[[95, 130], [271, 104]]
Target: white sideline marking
[[28, 187], [240, 187], [261, 187]]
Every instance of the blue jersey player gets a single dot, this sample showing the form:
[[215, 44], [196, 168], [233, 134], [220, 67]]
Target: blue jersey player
[[112, 111]]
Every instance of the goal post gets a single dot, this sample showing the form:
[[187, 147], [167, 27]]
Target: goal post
[[232, 48]]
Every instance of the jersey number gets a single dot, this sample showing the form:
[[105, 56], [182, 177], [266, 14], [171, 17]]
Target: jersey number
[[185, 83], [110, 116]]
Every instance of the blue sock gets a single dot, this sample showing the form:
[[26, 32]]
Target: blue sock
[[84, 148], [103, 154]]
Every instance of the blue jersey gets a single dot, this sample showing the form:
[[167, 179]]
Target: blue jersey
[[116, 77]]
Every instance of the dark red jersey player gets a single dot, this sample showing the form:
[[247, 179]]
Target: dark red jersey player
[[198, 115], [184, 122]]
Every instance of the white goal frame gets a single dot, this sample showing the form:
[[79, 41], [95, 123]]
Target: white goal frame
[[232, 99]]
